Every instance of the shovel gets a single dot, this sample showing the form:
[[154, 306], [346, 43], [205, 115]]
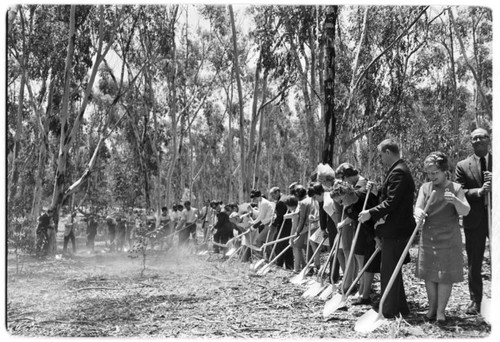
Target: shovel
[[233, 249], [485, 309], [264, 270], [332, 304], [332, 287], [300, 278], [319, 285], [372, 319], [338, 301], [263, 259]]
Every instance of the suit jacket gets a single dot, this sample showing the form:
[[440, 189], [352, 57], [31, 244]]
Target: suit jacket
[[468, 174], [396, 203]]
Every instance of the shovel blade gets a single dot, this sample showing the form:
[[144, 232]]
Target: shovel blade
[[334, 303], [258, 264], [313, 290], [486, 309], [327, 292], [370, 321], [231, 252], [264, 270], [299, 278]]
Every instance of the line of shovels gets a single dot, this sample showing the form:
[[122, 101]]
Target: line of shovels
[[371, 319]]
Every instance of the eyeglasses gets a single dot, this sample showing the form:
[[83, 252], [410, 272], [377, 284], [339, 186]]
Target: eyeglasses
[[480, 137]]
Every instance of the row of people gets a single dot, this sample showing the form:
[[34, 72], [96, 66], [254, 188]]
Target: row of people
[[387, 222]]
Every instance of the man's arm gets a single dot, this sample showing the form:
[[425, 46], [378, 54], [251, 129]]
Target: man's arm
[[396, 189], [280, 211], [471, 194]]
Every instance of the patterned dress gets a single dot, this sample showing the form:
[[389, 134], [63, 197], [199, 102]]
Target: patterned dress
[[440, 257]]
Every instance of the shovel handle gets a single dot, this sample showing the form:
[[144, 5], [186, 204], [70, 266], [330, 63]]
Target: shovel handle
[[277, 256], [235, 237], [325, 265], [314, 254], [365, 266], [355, 239], [277, 237], [275, 242], [403, 255]]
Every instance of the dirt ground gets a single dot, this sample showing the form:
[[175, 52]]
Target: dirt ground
[[184, 295]]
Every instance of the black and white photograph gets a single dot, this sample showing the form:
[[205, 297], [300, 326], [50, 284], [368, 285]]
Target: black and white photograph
[[293, 171]]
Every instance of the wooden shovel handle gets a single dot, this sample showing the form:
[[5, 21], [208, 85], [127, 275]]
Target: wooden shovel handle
[[314, 254], [367, 263], [403, 255], [358, 228]]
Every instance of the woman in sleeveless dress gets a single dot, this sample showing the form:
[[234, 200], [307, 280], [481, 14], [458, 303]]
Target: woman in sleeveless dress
[[440, 259]]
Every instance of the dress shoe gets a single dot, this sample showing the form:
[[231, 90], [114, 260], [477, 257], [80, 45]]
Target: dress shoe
[[473, 308], [362, 301], [441, 322]]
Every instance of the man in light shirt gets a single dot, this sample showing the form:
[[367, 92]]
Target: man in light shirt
[[187, 224], [265, 213]]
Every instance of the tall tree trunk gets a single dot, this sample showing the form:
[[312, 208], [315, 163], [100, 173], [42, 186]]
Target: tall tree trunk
[[484, 101], [243, 166], [172, 100], [331, 13], [262, 117]]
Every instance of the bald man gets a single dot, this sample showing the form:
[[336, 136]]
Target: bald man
[[474, 173]]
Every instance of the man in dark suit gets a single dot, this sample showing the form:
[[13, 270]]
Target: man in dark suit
[[282, 229], [474, 173], [395, 214]]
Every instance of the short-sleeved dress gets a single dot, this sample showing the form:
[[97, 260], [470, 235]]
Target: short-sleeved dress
[[440, 257]]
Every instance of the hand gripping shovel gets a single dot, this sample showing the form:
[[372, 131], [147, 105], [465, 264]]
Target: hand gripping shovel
[[300, 278], [371, 320], [485, 309], [332, 304], [264, 270], [319, 284], [339, 301]]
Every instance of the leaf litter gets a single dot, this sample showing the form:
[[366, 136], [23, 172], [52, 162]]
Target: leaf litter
[[183, 295]]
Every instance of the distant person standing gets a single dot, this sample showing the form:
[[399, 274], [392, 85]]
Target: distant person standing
[[395, 224], [187, 224], [44, 229], [111, 232], [91, 232], [69, 234], [474, 174]]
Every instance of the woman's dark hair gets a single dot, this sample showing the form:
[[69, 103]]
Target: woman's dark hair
[[290, 201], [300, 192]]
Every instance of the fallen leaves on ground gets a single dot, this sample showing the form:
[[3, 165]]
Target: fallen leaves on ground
[[185, 295]]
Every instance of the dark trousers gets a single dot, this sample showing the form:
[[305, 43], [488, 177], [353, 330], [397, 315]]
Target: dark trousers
[[475, 240], [332, 233], [185, 232], [286, 258], [395, 302], [71, 236]]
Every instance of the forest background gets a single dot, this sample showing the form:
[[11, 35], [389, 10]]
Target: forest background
[[119, 106]]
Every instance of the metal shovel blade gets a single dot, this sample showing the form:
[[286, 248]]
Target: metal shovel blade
[[231, 251], [327, 292], [299, 278], [314, 290], [370, 321], [264, 270], [486, 309], [258, 264], [333, 304]]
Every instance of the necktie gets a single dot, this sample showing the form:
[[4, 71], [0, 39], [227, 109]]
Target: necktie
[[482, 160]]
